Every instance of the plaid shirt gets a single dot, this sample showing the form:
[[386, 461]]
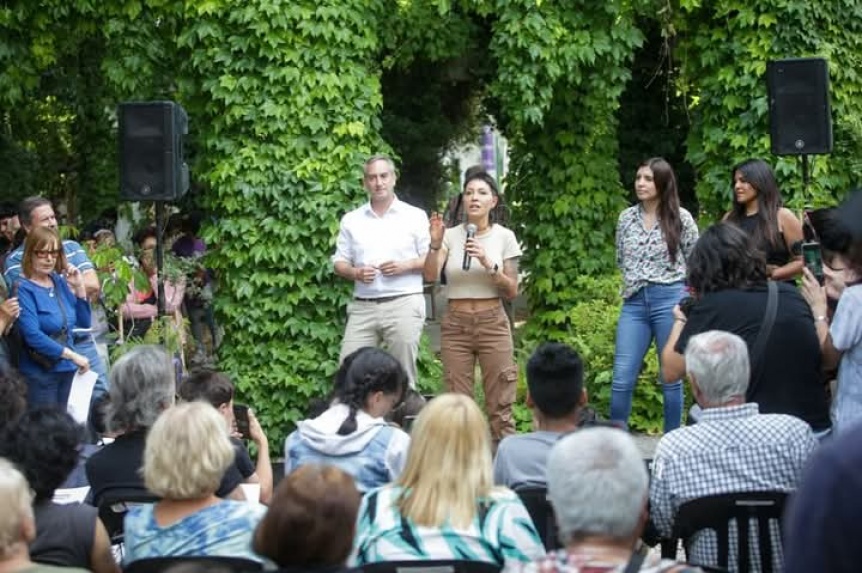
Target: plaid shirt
[[731, 449]]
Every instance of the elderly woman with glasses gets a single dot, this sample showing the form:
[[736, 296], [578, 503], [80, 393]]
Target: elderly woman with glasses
[[53, 302]]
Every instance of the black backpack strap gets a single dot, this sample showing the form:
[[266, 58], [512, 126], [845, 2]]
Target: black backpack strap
[[759, 350]]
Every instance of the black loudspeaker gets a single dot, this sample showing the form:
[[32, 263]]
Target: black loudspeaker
[[800, 119], [151, 151]]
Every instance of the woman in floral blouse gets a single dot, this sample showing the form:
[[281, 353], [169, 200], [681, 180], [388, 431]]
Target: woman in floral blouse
[[654, 238]]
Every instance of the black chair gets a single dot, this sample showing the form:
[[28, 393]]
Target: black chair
[[113, 506], [162, 564], [535, 499], [431, 566], [717, 512]]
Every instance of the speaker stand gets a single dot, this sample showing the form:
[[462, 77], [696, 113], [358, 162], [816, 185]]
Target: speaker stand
[[806, 178], [158, 206]]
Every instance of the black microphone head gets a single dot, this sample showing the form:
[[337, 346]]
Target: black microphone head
[[471, 230]]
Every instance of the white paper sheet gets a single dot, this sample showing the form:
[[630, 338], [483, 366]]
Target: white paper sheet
[[79, 398], [251, 491], [71, 495]]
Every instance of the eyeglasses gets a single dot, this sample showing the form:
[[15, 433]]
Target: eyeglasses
[[44, 254]]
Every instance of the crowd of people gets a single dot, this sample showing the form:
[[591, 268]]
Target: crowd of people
[[379, 474]]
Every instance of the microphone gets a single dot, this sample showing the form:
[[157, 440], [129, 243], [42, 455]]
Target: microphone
[[471, 232]]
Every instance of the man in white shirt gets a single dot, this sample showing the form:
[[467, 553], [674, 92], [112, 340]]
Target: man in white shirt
[[381, 248]]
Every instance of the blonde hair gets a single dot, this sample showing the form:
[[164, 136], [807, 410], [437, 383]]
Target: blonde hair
[[187, 452], [16, 500], [449, 467]]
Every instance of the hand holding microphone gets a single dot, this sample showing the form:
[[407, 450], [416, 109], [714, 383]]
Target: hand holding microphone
[[469, 246]]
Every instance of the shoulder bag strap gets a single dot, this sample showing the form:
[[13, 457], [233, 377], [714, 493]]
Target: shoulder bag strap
[[757, 353], [62, 306], [637, 559]]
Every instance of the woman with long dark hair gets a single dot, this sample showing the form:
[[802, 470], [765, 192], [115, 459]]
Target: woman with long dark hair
[[353, 433], [481, 260], [758, 210], [654, 239]]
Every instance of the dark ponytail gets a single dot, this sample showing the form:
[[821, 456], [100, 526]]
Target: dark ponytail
[[370, 370]]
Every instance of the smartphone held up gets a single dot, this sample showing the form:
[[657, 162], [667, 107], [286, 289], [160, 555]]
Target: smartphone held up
[[240, 415], [813, 259]]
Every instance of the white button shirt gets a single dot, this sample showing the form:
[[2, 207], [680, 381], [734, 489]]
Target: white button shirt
[[365, 238]]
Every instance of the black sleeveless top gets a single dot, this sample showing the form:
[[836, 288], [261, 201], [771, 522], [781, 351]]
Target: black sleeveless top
[[777, 255], [64, 534]]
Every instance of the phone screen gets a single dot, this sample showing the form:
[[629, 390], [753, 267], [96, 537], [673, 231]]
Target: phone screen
[[240, 415], [813, 260]]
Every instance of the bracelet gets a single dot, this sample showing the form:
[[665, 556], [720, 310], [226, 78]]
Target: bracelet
[[433, 248], [682, 320], [821, 318]]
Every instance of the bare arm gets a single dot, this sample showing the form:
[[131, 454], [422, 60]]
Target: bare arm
[[263, 468], [672, 362], [792, 229], [91, 283], [815, 296], [437, 253], [506, 279], [101, 559]]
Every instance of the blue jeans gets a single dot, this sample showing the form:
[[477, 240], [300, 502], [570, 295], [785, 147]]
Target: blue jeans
[[48, 388], [646, 316]]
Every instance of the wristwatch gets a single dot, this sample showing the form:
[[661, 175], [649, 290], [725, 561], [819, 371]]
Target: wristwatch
[[496, 269]]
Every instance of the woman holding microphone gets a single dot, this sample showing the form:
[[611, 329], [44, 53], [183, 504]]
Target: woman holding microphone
[[481, 261], [654, 238]]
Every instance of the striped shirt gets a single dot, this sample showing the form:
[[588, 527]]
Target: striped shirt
[[501, 532], [75, 255]]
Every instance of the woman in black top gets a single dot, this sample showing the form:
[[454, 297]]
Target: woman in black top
[[757, 210]]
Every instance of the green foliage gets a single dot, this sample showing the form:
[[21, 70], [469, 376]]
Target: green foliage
[[724, 47], [561, 70], [291, 101]]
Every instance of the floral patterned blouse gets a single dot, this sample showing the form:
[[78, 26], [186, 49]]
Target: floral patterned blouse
[[642, 254]]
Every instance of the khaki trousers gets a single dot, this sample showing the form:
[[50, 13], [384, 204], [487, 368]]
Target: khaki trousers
[[397, 324], [485, 336]]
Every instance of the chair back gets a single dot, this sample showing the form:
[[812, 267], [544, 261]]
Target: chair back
[[206, 563], [432, 566], [114, 505], [535, 499], [716, 512]]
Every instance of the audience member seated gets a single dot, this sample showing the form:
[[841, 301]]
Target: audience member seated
[[216, 389], [555, 383], [445, 505], [43, 444], [733, 448], [598, 485], [729, 283], [821, 531], [141, 306], [405, 413], [17, 526], [352, 433], [310, 523], [13, 397], [142, 386], [188, 451]]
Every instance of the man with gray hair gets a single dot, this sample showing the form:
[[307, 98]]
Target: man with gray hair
[[598, 485], [733, 448]]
